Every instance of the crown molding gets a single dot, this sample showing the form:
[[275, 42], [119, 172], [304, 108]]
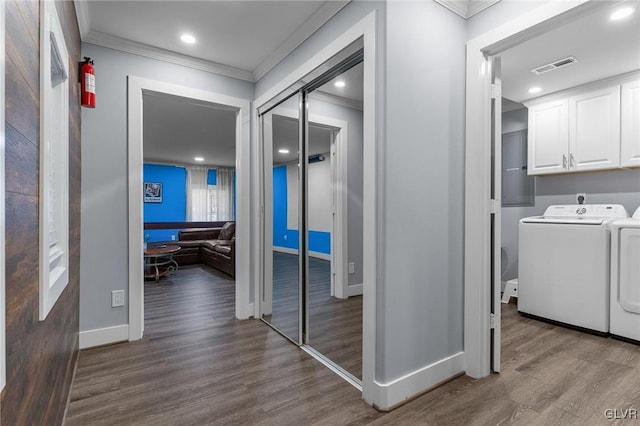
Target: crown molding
[[477, 6], [124, 45], [304, 31], [466, 8], [82, 15]]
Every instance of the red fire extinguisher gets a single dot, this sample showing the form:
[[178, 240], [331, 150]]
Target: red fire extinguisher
[[87, 83]]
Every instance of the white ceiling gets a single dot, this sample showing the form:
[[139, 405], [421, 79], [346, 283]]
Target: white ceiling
[[242, 39], [176, 130], [604, 48]]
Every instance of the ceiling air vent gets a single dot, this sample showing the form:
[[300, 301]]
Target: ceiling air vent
[[554, 65]]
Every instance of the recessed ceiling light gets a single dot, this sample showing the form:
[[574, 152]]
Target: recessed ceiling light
[[283, 151], [188, 38], [535, 90], [621, 13], [340, 83], [198, 158]]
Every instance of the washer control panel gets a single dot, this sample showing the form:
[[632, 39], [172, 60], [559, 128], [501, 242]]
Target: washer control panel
[[587, 210]]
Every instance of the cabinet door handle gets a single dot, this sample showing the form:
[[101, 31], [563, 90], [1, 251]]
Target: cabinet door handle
[[572, 161], [564, 161]]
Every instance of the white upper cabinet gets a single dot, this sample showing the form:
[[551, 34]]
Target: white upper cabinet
[[592, 127], [548, 137], [594, 130], [630, 125]]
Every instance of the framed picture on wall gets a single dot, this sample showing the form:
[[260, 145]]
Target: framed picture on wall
[[152, 192]]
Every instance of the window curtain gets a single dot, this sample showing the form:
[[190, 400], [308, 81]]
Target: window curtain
[[197, 195], [224, 185]]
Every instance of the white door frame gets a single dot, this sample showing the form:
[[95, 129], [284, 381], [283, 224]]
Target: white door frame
[[365, 29], [136, 87], [339, 256], [477, 282]]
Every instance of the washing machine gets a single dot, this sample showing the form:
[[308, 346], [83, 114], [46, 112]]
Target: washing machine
[[625, 278], [563, 265]]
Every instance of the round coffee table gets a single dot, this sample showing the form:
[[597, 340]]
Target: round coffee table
[[158, 261]]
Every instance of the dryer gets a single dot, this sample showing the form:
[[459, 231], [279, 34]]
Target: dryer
[[625, 278], [563, 265]]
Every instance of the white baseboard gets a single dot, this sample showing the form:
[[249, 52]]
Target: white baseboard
[[395, 392], [315, 254], [104, 336], [244, 312], [354, 290]]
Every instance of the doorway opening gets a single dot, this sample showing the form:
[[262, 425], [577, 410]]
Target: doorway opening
[[519, 175], [222, 192]]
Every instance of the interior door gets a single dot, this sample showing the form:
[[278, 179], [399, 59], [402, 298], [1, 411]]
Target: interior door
[[496, 216]]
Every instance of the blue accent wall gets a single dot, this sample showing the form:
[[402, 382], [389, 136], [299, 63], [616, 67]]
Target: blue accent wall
[[174, 199], [289, 238], [320, 241]]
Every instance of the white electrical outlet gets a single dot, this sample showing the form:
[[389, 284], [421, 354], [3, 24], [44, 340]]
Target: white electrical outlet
[[352, 268], [173, 237], [581, 198], [285, 238], [117, 298]]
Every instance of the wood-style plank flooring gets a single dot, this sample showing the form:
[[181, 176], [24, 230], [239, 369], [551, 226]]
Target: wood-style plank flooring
[[335, 326], [197, 365]]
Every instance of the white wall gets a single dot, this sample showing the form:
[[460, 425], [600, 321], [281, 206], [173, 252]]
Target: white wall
[[319, 195], [104, 255], [292, 195]]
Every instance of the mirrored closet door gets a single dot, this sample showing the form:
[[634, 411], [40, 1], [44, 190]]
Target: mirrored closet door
[[312, 201], [334, 201]]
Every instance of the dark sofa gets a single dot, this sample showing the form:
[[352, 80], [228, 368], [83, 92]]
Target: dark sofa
[[212, 246]]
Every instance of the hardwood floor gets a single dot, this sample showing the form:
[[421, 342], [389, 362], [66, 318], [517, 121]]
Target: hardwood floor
[[335, 326], [197, 365]]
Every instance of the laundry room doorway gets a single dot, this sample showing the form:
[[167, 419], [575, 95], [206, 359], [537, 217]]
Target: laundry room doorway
[[512, 171]]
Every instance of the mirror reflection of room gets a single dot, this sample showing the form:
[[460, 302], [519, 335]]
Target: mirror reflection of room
[[312, 286], [335, 220]]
